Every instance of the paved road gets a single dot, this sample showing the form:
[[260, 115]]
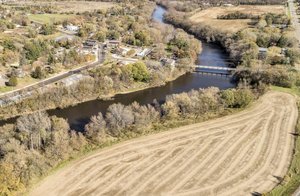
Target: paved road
[[99, 60], [294, 18], [296, 24]]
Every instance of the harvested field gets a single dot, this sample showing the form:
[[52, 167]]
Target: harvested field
[[68, 6], [236, 155], [50, 18], [209, 16]]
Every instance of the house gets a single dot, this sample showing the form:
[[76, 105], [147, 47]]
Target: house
[[168, 62], [113, 43], [90, 43], [126, 51], [72, 28], [64, 38], [228, 5], [89, 46], [15, 64], [280, 26], [262, 53], [262, 50], [283, 51], [74, 79], [144, 52]]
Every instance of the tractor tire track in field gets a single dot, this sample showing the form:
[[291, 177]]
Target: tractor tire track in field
[[235, 155]]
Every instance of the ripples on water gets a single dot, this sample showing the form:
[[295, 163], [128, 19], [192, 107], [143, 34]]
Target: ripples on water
[[78, 116]]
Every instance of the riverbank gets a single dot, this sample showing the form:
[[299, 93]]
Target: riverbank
[[156, 128], [60, 143], [139, 87], [79, 110], [188, 133]]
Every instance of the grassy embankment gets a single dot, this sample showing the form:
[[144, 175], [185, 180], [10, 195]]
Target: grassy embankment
[[291, 181], [49, 18]]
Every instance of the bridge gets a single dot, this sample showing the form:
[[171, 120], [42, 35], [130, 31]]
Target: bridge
[[215, 67], [218, 70]]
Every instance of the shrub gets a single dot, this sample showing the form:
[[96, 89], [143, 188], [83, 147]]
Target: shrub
[[139, 71], [13, 81], [37, 73]]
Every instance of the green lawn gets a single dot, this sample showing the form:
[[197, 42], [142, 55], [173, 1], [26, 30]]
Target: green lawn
[[22, 82], [49, 18], [293, 90], [4, 89]]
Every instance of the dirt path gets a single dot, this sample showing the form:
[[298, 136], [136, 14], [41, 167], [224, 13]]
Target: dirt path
[[235, 155]]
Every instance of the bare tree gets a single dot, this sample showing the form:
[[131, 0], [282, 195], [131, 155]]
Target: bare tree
[[95, 130], [34, 128], [118, 117]]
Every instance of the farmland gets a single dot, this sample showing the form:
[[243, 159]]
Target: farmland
[[209, 16], [49, 18], [240, 154], [68, 6]]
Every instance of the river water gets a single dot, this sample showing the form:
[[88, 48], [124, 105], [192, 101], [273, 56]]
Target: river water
[[78, 116]]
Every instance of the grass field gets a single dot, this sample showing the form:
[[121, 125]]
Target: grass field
[[27, 80], [235, 155], [291, 181], [49, 18], [209, 16], [69, 6]]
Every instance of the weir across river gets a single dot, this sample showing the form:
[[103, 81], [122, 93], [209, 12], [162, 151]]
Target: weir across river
[[216, 70]]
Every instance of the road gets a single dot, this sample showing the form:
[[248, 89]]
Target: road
[[99, 60], [294, 18]]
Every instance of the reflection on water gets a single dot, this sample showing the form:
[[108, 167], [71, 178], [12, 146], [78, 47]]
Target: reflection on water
[[211, 54], [78, 116]]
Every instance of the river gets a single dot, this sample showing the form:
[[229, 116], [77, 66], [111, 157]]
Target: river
[[78, 116]]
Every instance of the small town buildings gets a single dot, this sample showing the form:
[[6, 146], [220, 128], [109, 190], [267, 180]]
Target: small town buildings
[[283, 51], [89, 46], [63, 38], [15, 64], [124, 50], [262, 53], [168, 62], [74, 79], [228, 5], [113, 43], [144, 53], [72, 28], [280, 26]]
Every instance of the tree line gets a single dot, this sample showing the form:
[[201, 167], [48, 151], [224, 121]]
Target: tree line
[[36, 143], [244, 47], [97, 83]]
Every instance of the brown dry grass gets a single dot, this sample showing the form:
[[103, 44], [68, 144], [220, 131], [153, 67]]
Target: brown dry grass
[[209, 16], [71, 6], [234, 155]]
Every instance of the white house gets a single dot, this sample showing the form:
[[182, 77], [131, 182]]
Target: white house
[[144, 52], [170, 62], [72, 28]]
